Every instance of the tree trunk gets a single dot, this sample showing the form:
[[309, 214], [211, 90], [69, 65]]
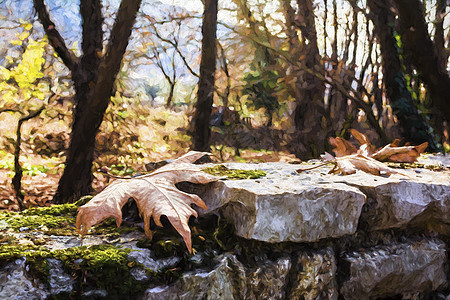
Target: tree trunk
[[439, 37], [310, 138], [422, 53], [170, 97], [93, 75], [414, 128], [201, 130]]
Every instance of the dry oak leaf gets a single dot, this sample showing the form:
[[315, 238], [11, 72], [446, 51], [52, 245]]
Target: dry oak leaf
[[348, 164], [155, 195], [407, 154], [342, 147]]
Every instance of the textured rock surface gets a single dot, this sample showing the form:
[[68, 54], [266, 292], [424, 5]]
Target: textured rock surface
[[16, 283], [315, 277], [399, 203], [285, 206], [310, 276], [396, 269], [269, 280], [226, 281], [312, 205]]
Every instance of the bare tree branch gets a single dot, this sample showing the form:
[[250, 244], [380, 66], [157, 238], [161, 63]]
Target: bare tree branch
[[177, 49], [116, 47], [54, 37]]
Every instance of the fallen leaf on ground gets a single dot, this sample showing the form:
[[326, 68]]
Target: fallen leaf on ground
[[366, 146], [342, 147], [391, 153], [155, 195], [349, 164], [407, 154]]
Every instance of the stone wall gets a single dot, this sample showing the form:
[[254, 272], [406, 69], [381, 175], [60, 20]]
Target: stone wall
[[283, 236]]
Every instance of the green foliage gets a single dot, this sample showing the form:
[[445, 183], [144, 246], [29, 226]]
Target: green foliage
[[261, 89], [121, 170], [19, 85], [50, 166]]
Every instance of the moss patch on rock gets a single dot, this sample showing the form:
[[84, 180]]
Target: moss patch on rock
[[223, 171], [38, 219], [57, 220], [101, 267]]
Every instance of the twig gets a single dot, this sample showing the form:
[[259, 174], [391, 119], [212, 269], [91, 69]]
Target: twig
[[17, 179], [318, 166], [105, 170]]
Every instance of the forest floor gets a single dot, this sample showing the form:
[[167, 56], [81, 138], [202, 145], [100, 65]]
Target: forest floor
[[126, 143]]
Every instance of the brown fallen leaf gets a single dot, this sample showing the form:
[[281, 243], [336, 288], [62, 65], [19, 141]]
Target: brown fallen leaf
[[155, 195], [342, 147], [392, 152], [349, 164], [407, 154], [366, 147]]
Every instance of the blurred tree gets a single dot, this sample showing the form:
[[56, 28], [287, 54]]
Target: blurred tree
[[261, 89], [201, 131], [414, 127], [93, 75], [310, 116], [422, 53]]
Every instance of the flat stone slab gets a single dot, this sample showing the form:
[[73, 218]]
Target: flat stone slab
[[314, 205], [386, 271]]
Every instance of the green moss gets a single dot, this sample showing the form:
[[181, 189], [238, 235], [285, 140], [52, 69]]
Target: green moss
[[221, 170], [83, 200], [102, 266], [68, 209], [57, 220], [109, 227], [51, 224]]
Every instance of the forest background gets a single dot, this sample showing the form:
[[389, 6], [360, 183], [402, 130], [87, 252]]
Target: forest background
[[89, 84]]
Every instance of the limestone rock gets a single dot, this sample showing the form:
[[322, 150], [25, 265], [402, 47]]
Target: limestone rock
[[269, 280], [59, 281], [229, 280], [396, 269], [313, 205], [420, 197], [226, 281], [316, 276], [16, 283], [399, 203], [285, 206], [310, 276]]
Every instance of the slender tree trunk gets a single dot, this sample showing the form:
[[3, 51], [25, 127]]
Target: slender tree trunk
[[201, 130], [310, 138], [414, 128], [422, 53], [93, 75], [171, 92], [439, 37]]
